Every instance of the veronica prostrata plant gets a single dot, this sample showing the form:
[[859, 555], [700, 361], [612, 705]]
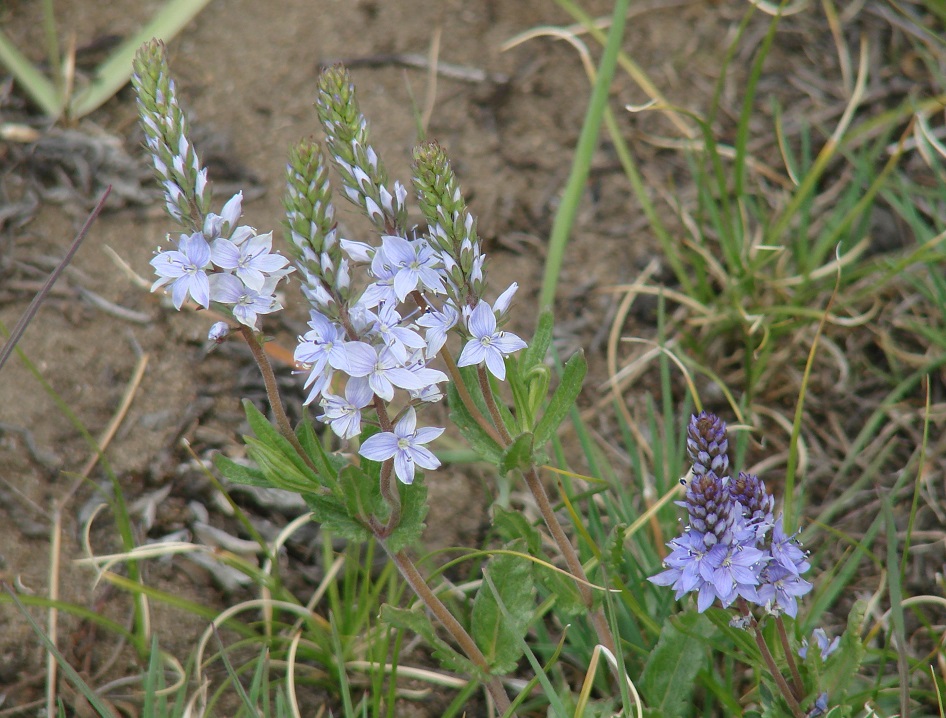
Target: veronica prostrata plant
[[735, 552], [381, 316]]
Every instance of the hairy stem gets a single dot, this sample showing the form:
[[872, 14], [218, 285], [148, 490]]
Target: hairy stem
[[391, 497], [570, 555], [272, 393], [492, 405], [770, 662], [414, 579], [551, 520], [790, 658]]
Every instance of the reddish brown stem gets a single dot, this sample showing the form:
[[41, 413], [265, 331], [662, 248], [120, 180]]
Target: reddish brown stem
[[790, 658], [464, 640], [770, 662]]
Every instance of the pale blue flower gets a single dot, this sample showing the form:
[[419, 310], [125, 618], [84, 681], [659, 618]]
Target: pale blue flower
[[223, 224], [344, 415], [488, 345], [415, 263], [251, 261], [780, 588], [382, 288], [405, 445], [387, 326], [438, 324], [786, 552], [825, 645], [247, 302], [218, 332], [185, 270], [736, 572], [386, 372], [325, 348]]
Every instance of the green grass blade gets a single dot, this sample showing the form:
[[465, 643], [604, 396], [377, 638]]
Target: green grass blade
[[40, 88], [74, 678], [575, 187], [115, 71]]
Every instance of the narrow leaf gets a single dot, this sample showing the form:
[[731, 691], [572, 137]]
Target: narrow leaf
[[563, 399], [239, 474]]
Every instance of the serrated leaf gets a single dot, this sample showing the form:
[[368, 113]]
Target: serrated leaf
[[563, 399], [668, 679], [413, 512], [330, 512], [481, 442], [239, 474], [518, 455], [419, 624], [498, 633]]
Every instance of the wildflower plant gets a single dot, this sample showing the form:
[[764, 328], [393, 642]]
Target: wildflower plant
[[734, 552], [377, 353]]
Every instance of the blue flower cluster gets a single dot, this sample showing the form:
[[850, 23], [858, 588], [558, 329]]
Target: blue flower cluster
[[372, 340], [365, 346], [224, 263], [732, 546]]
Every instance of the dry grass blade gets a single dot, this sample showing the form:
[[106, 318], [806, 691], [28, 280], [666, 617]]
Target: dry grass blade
[[31, 310]]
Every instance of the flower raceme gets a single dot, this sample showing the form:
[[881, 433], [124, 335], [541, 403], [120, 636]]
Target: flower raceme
[[363, 348], [732, 546]]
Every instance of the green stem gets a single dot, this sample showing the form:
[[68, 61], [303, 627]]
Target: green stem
[[414, 579], [551, 520]]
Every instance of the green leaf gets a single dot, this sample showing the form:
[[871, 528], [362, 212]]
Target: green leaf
[[39, 87], [171, 17], [481, 442], [668, 679], [331, 513], [498, 635], [328, 465], [563, 399], [413, 512], [419, 624], [279, 471], [361, 492], [541, 341], [275, 456], [843, 665], [239, 474], [568, 600], [518, 455]]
